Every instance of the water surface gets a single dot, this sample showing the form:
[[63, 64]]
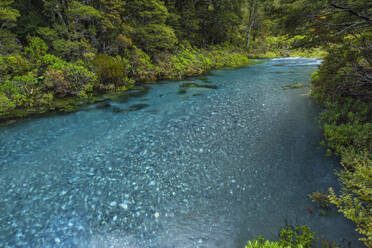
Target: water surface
[[175, 167]]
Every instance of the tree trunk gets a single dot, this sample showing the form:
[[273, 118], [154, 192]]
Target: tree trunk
[[252, 20]]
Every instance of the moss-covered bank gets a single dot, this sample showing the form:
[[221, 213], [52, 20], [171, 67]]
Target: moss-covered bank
[[44, 83], [284, 46]]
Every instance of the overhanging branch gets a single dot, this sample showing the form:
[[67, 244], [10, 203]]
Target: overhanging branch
[[366, 18]]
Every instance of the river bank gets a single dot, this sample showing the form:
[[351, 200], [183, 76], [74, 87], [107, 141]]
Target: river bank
[[347, 128], [57, 90]]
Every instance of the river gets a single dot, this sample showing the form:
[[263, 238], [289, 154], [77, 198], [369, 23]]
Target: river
[[173, 167]]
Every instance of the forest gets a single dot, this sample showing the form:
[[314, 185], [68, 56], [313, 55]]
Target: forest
[[59, 54]]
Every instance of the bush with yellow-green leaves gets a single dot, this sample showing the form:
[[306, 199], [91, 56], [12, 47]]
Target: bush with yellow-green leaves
[[339, 85]]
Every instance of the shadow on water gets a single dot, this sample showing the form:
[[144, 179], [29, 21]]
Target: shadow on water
[[139, 91], [182, 92], [195, 85], [136, 107]]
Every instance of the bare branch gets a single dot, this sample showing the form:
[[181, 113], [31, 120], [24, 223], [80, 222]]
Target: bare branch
[[351, 27], [369, 21]]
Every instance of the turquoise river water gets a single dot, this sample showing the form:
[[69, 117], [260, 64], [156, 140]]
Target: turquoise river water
[[173, 166]]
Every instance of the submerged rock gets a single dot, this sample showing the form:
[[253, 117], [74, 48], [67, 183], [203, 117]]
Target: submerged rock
[[205, 80], [8, 123], [187, 85], [139, 91], [182, 92], [103, 105], [138, 107], [116, 109], [293, 86]]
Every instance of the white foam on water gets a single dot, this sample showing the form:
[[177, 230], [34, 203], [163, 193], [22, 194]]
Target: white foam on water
[[288, 58]]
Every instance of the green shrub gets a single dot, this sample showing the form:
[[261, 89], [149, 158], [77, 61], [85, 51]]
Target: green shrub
[[290, 237], [321, 198], [13, 64], [47, 33], [12, 95], [112, 70], [6, 104], [48, 60], [340, 137], [36, 48], [189, 60], [264, 244], [299, 236], [155, 37], [356, 199], [347, 126], [66, 49], [8, 42], [141, 67], [65, 78], [46, 99]]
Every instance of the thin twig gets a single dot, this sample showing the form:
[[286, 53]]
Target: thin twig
[[352, 12]]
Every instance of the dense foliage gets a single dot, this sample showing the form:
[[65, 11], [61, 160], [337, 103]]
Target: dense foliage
[[292, 237], [58, 53], [347, 126], [343, 85], [55, 50]]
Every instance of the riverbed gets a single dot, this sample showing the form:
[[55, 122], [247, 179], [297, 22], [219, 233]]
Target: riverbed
[[209, 161]]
